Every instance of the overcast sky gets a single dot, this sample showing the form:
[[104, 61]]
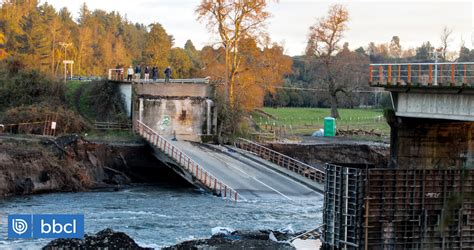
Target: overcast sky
[[413, 21]]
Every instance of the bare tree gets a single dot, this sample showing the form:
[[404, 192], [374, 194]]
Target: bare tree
[[323, 43], [445, 38]]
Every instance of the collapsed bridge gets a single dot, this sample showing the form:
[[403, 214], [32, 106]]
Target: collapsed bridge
[[175, 118]]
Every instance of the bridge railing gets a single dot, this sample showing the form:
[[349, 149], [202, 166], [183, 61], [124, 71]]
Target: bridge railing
[[282, 160], [199, 173], [116, 74], [422, 74]]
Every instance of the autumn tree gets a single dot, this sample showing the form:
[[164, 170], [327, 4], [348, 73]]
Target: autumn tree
[[181, 63], [323, 44], [262, 70], [3, 52], [193, 55], [232, 21]]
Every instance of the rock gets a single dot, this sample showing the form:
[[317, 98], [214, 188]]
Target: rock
[[222, 230], [105, 239], [263, 239]]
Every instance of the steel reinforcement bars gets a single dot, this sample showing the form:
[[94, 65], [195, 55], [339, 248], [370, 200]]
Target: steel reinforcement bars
[[199, 173], [281, 160]]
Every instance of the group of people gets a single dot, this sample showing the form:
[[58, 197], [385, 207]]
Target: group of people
[[146, 73]]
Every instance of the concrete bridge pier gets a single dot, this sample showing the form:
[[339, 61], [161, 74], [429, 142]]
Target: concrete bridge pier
[[184, 110]]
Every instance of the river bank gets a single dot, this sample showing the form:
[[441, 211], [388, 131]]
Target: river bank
[[33, 165]]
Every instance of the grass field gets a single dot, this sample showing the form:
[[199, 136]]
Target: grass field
[[304, 121]]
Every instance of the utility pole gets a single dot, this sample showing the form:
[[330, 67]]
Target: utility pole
[[65, 61], [65, 45]]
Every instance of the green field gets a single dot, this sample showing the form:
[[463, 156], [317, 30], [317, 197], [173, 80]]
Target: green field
[[304, 121]]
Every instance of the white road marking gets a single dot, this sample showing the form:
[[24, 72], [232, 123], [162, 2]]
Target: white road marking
[[273, 189], [286, 177], [261, 182]]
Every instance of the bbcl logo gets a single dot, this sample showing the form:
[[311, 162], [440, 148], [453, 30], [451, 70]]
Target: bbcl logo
[[45, 226]]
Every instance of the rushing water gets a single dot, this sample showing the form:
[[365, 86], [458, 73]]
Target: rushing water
[[159, 216]]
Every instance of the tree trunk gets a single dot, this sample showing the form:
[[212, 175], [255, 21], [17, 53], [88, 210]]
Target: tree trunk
[[334, 112]]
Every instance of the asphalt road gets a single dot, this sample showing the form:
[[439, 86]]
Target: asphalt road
[[251, 179]]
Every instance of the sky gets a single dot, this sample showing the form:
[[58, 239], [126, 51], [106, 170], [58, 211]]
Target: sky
[[414, 21]]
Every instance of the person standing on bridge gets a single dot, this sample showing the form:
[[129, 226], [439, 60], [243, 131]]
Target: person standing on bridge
[[138, 72], [147, 73], [154, 73], [167, 74], [129, 73]]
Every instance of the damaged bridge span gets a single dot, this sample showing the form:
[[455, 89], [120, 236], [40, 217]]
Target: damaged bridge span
[[228, 171], [175, 118]]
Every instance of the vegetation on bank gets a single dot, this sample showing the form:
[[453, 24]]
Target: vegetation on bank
[[28, 98]]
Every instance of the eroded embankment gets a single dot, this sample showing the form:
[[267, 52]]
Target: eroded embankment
[[72, 164], [376, 155]]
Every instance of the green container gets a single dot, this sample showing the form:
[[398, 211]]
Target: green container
[[329, 126]]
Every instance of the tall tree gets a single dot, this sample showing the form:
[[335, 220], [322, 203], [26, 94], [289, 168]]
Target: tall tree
[[323, 44], [181, 63], [194, 56], [445, 39], [233, 20], [424, 52], [157, 47], [3, 52], [395, 47]]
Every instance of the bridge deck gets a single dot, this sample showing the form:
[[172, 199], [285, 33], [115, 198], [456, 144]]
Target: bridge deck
[[252, 179], [227, 173]]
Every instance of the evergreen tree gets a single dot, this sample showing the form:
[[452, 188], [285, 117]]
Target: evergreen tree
[[157, 47]]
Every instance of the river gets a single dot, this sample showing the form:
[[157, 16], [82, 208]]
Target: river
[[157, 216]]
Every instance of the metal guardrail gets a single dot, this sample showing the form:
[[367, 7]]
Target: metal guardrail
[[281, 160], [422, 74], [217, 186]]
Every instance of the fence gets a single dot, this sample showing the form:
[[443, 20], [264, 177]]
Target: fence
[[208, 180], [282, 160], [47, 127], [423, 74], [112, 125]]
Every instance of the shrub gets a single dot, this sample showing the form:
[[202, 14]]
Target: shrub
[[28, 87], [33, 119]]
